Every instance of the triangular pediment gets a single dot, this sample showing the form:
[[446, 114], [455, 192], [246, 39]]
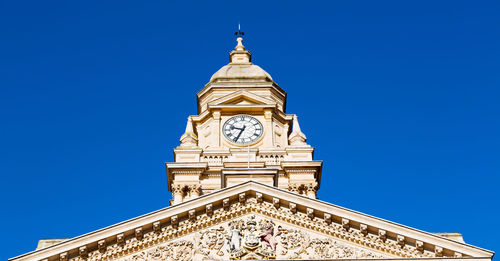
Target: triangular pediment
[[241, 97], [252, 220]]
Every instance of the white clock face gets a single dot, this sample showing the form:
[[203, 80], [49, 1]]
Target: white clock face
[[242, 129]]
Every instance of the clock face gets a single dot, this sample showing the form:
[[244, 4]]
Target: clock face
[[242, 129]]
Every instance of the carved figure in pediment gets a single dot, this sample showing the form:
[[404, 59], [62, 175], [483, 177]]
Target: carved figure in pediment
[[174, 251], [139, 257], [234, 235], [211, 241], [157, 254], [181, 251], [267, 234], [250, 234], [292, 242], [252, 239], [328, 248]]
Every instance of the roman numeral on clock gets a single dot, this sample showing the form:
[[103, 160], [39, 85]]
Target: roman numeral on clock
[[242, 129]]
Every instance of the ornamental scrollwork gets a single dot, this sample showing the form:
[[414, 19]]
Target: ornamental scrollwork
[[328, 248], [181, 250], [293, 242], [210, 242]]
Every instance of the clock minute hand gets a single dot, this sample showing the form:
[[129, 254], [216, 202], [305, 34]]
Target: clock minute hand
[[239, 134]]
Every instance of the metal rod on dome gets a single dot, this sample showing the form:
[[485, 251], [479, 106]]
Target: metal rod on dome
[[239, 33]]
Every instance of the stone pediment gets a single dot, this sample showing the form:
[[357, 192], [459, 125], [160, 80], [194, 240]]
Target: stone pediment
[[242, 98], [255, 221]]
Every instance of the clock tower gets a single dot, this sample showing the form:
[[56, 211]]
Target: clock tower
[[244, 184], [242, 132]]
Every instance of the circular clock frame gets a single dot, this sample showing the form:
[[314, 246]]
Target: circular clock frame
[[243, 129]]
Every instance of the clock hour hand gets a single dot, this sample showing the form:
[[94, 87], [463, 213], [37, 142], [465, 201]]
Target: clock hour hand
[[239, 134], [236, 128]]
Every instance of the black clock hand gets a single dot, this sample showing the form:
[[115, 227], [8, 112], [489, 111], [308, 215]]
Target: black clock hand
[[232, 128], [239, 134]]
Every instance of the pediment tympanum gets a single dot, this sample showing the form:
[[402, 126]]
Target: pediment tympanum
[[241, 98], [254, 236]]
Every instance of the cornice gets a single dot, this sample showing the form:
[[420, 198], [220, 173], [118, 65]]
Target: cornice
[[184, 168], [254, 85], [251, 197], [301, 166]]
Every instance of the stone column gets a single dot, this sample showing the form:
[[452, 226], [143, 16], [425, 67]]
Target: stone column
[[216, 139], [194, 191], [284, 136], [311, 190], [177, 196], [268, 129], [293, 188]]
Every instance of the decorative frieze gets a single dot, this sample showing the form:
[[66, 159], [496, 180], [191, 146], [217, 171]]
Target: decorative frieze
[[216, 160], [276, 240], [186, 172], [272, 159], [302, 171]]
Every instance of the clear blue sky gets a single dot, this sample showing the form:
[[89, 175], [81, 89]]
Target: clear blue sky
[[399, 98]]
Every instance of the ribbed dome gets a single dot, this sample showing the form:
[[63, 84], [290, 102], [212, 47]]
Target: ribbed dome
[[240, 71], [240, 66]]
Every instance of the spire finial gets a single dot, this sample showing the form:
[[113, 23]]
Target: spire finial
[[239, 46], [297, 137], [239, 54], [239, 33], [189, 139]]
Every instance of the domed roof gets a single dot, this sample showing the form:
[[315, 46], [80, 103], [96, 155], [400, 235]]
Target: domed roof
[[242, 71], [240, 66]]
